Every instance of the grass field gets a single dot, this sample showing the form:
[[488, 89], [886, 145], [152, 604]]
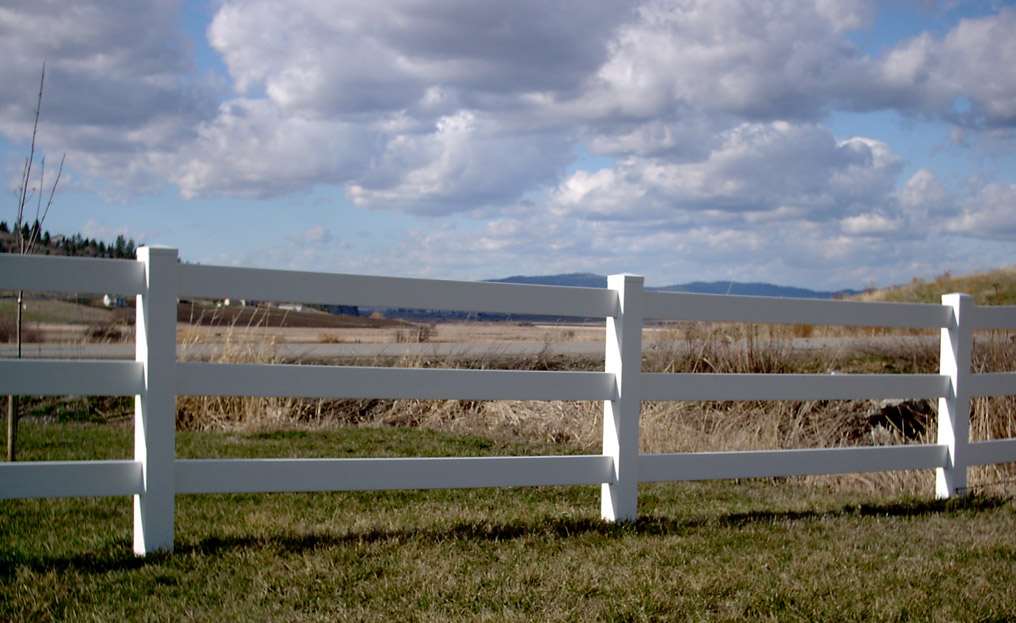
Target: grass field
[[757, 550], [854, 547]]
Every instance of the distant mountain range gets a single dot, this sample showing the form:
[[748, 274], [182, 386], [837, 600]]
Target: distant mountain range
[[590, 280]]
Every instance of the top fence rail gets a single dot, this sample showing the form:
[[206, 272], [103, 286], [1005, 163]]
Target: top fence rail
[[760, 309], [396, 292], [45, 273], [125, 277]]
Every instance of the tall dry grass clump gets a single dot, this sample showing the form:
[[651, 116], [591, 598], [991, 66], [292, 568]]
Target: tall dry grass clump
[[239, 345], [994, 417], [665, 426], [569, 423], [573, 424], [729, 426], [717, 426]]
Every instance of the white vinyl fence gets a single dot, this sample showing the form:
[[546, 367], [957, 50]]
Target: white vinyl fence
[[155, 475]]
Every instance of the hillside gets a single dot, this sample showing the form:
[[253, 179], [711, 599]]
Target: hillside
[[995, 287], [753, 289], [76, 245], [580, 280], [271, 316]]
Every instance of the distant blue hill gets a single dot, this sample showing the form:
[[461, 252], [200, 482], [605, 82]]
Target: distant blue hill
[[590, 280], [755, 289], [581, 280]]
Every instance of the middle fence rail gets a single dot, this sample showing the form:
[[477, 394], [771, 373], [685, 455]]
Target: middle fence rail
[[156, 378]]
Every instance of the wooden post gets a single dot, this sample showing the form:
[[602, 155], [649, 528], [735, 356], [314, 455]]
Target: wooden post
[[954, 410], [619, 499], [155, 407]]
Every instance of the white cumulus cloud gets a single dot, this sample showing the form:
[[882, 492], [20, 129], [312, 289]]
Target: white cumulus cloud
[[316, 235], [706, 119]]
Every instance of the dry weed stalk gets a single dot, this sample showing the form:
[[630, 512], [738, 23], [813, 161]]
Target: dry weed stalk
[[240, 345], [994, 417], [30, 187]]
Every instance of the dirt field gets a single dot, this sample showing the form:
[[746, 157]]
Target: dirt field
[[464, 333], [394, 333], [314, 327], [52, 321]]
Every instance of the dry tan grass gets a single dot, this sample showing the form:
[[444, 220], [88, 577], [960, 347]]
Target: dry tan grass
[[995, 287], [666, 426], [994, 417], [239, 345], [455, 333]]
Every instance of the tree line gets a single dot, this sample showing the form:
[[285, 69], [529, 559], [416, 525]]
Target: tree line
[[76, 245]]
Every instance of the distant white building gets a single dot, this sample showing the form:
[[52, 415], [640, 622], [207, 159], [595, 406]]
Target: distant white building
[[114, 301]]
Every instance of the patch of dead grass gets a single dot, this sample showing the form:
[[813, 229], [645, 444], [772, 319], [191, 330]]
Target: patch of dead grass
[[665, 426]]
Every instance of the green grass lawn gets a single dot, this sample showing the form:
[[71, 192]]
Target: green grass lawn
[[756, 550]]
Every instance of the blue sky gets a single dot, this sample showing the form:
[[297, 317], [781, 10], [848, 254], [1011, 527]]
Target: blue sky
[[824, 144]]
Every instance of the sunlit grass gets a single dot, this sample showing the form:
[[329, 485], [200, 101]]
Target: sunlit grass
[[756, 550]]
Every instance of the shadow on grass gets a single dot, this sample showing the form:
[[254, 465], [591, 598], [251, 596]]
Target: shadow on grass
[[117, 556], [915, 507]]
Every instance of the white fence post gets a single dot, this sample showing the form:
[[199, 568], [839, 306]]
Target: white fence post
[[155, 407], [954, 409], [619, 500]]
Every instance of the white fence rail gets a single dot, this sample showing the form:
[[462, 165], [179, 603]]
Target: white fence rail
[[155, 475]]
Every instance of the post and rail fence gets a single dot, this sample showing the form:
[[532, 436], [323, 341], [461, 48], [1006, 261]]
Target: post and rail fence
[[155, 476]]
